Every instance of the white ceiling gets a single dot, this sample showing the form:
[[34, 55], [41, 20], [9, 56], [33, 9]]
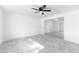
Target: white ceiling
[[27, 9]]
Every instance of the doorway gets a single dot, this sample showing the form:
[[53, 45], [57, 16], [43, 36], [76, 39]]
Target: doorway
[[55, 26]]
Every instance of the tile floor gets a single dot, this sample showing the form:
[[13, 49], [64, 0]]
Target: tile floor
[[50, 42]]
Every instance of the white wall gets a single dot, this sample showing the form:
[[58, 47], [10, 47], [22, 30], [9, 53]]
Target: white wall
[[71, 27], [48, 26], [17, 25], [1, 26]]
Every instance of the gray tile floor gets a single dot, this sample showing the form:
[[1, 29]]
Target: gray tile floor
[[52, 42]]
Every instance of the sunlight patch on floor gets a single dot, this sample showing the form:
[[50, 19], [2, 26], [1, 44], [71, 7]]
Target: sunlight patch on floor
[[35, 46]]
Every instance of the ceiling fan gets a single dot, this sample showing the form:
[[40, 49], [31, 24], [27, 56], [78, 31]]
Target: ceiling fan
[[41, 9]]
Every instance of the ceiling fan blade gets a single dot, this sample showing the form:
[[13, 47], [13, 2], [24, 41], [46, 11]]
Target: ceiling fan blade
[[34, 9], [47, 10]]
